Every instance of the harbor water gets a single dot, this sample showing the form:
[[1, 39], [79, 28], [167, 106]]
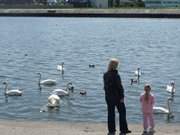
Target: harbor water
[[29, 45]]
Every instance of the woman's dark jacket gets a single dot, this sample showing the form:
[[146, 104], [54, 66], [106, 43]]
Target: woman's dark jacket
[[114, 90]]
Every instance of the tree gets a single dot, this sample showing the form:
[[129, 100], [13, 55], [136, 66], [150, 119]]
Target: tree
[[110, 3], [42, 1], [117, 2]]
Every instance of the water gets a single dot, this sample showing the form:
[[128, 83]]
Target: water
[[31, 45]]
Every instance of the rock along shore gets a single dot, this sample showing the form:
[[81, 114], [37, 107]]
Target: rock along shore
[[86, 12]]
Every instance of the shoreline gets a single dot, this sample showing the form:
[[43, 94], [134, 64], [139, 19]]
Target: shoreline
[[83, 12], [74, 128]]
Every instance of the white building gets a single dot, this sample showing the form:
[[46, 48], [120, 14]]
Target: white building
[[127, 1], [161, 3], [99, 3], [51, 2]]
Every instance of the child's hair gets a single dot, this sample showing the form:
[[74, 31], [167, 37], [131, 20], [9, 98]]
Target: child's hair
[[147, 87]]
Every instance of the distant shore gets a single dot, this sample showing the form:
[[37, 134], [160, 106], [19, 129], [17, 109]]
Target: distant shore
[[90, 12], [64, 128]]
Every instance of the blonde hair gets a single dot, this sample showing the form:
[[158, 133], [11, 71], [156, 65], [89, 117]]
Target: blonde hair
[[113, 64]]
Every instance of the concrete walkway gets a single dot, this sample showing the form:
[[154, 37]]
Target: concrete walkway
[[53, 128]]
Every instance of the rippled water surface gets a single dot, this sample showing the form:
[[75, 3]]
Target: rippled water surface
[[31, 45]]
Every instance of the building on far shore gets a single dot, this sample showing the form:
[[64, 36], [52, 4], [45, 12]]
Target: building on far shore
[[16, 2], [78, 3], [99, 3], [111, 3], [117, 3], [161, 3], [51, 2]]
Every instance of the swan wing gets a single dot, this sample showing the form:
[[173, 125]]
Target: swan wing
[[60, 67], [158, 109], [137, 73], [60, 92], [170, 89], [53, 101], [53, 96], [48, 82], [14, 92]]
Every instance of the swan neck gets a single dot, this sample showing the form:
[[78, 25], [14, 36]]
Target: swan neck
[[173, 89], [67, 88], [39, 78], [168, 105], [6, 87]]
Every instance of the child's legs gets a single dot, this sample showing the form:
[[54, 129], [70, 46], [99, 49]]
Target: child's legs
[[145, 121], [151, 120]]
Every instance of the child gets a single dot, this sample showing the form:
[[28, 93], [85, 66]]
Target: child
[[147, 102]]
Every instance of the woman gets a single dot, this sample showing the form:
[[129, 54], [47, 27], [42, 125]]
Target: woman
[[114, 95]]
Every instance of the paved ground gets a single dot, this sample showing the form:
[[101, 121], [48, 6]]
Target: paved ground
[[52, 128]]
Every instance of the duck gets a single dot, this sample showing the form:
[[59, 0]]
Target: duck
[[171, 88], [134, 81], [47, 82], [163, 110], [53, 101], [64, 92], [91, 66], [61, 67], [13, 92], [83, 92]]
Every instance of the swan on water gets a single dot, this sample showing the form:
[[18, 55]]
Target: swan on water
[[60, 67], [48, 82], [64, 92], [53, 101], [13, 92], [163, 110], [171, 88], [137, 72]]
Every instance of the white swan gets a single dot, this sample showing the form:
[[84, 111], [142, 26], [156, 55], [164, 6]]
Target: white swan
[[137, 72], [162, 110], [61, 92], [53, 101], [48, 82], [14, 92], [61, 67], [171, 87]]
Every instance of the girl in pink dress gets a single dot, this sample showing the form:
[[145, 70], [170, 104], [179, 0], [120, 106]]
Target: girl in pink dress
[[147, 103]]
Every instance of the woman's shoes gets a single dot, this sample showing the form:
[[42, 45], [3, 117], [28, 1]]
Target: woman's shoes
[[127, 132], [113, 133], [122, 134]]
